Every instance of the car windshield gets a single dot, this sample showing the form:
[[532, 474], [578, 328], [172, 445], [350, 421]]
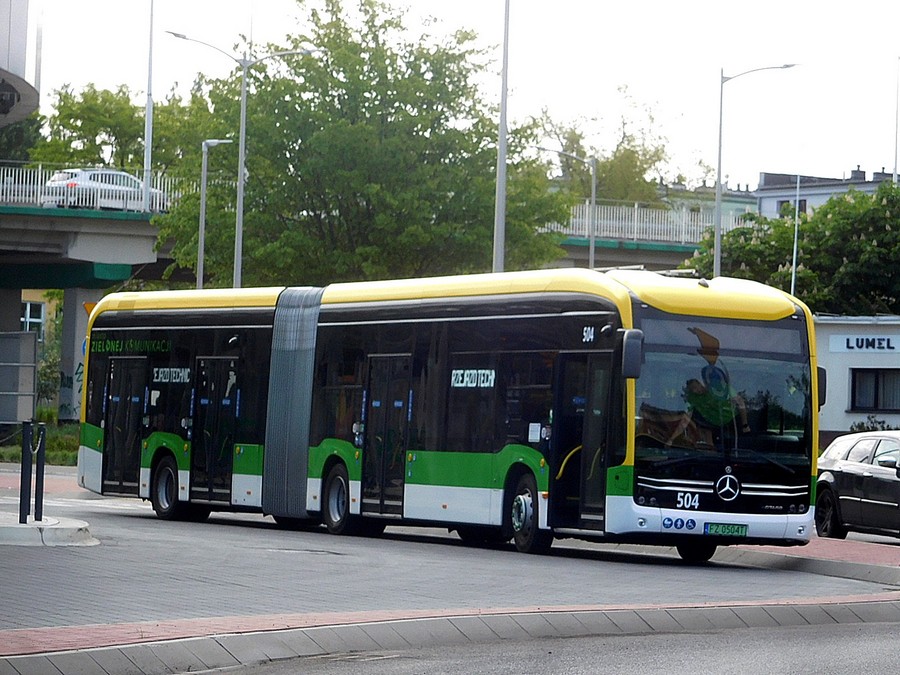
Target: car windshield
[[62, 175]]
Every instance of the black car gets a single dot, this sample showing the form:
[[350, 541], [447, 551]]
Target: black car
[[859, 485]]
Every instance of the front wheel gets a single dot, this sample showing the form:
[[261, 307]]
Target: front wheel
[[524, 516], [696, 552], [336, 502], [828, 517], [164, 491]]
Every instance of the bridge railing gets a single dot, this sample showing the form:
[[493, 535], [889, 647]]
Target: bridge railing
[[27, 186], [635, 222]]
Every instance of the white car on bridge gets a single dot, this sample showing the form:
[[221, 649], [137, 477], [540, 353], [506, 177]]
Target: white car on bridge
[[99, 189]]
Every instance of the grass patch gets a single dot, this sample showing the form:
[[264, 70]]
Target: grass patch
[[61, 446]]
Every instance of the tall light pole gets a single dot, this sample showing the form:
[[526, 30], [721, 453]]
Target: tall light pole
[[245, 64], [148, 118], [896, 120], [717, 251], [201, 244], [500, 194], [592, 163]]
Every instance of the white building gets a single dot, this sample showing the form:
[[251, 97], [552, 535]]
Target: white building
[[777, 190], [861, 355]]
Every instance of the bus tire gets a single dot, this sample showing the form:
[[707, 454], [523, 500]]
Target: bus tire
[[336, 502], [696, 552], [524, 516], [164, 491], [828, 516]]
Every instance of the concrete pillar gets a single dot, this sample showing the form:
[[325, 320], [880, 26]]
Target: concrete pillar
[[71, 357], [10, 310]]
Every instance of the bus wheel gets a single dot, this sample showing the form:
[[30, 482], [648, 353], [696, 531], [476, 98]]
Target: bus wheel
[[164, 491], [336, 512], [696, 552], [828, 518], [524, 516]]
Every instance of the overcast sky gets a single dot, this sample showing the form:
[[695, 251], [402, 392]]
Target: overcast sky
[[832, 112]]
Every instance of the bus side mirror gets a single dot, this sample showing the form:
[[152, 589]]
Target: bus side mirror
[[632, 353], [821, 390]]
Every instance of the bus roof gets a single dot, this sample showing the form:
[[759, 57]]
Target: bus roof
[[570, 280], [721, 296]]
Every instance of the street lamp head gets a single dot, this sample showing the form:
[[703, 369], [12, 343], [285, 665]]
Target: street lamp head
[[180, 36], [213, 142]]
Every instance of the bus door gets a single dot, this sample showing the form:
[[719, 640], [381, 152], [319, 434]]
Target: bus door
[[578, 488], [126, 395], [215, 410], [387, 421], [598, 409]]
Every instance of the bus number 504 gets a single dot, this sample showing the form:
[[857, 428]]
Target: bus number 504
[[688, 500]]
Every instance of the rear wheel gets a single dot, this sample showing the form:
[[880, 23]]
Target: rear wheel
[[828, 516], [696, 552], [524, 516], [336, 502], [164, 491]]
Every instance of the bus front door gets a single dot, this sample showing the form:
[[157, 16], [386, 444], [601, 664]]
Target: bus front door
[[596, 429], [215, 410], [126, 394], [578, 487], [387, 421]]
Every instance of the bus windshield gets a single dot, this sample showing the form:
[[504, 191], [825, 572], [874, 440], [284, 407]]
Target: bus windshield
[[714, 391]]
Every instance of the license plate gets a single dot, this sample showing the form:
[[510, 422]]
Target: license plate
[[725, 529]]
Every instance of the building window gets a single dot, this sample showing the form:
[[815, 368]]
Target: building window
[[875, 390], [33, 318], [786, 207]]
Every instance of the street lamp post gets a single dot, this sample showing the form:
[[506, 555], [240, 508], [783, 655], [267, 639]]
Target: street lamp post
[[499, 256], [245, 65], [717, 251], [201, 244], [592, 163]]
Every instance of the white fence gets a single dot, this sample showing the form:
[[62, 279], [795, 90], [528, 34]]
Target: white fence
[[641, 223], [29, 187]]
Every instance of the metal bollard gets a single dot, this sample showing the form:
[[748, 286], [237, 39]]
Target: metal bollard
[[25, 477], [28, 459], [41, 454]]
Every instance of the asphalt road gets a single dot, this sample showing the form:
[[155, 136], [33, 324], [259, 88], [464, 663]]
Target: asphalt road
[[150, 579], [816, 650]]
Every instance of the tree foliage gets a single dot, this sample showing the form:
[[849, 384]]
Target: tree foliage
[[16, 140], [624, 174], [93, 127], [848, 252], [372, 157]]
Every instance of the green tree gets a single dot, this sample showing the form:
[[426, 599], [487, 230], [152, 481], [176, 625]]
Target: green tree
[[848, 251], [373, 157], [94, 127], [16, 140], [624, 174]]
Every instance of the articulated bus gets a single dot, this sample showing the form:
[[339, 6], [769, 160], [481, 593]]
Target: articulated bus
[[624, 406]]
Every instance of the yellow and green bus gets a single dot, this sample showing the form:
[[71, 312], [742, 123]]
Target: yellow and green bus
[[624, 406]]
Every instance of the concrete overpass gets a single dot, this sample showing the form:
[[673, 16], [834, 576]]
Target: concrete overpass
[[80, 251]]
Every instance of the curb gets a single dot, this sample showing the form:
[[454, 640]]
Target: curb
[[254, 648], [45, 532]]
